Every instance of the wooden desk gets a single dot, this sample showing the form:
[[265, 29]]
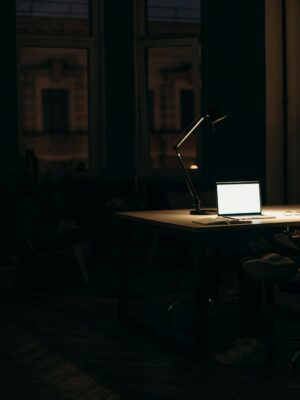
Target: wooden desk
[[180, 222]]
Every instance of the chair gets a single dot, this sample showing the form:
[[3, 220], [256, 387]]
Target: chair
[[43, 231], [71, 241]]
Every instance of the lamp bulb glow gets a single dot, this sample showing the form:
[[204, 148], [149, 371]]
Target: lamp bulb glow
[[193, 166]]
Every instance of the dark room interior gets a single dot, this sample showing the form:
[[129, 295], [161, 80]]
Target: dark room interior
[[120, 278]]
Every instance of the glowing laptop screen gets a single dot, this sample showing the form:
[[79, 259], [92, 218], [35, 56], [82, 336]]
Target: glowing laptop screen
[[238, 198]]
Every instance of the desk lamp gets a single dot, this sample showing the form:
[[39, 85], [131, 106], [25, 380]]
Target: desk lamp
[[213, 117]]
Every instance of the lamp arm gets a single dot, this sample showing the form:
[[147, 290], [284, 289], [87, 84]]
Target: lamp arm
[[188, 132], [176, 146], [188, 181], [214, 117]]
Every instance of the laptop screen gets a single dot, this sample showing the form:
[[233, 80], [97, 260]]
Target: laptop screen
[[238, 198]]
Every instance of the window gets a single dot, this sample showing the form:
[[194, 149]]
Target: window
[[168, 82], [187, 107], [57, 57], [56, 111]]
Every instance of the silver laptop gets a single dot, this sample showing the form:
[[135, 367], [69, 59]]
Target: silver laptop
[[239, 200]]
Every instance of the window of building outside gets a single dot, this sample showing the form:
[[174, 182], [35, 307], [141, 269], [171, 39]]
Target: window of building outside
[[55, 44], [169, 84], [55, 112]]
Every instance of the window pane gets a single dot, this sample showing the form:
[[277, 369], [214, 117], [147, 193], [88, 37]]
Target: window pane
[[52, 17], [54, 107], [170, 104], [173, 16]]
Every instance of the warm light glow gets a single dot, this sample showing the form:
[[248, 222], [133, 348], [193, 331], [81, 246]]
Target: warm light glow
[[193, 166]]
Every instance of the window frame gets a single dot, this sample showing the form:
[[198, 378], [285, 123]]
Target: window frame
[[143, 41], [94, 45]]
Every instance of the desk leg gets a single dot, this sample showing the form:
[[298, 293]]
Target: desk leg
[[123, 263], [200, 297]]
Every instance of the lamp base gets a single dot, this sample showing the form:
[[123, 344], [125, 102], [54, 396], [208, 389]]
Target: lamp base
[[207, 211]]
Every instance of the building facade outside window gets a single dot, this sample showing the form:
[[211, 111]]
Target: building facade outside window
[[57, 54]]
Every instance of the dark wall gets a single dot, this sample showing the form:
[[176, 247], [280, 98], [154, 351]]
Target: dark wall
[[233, 56]]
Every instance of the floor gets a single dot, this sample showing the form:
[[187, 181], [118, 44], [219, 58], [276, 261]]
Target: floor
[[55, 346]]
